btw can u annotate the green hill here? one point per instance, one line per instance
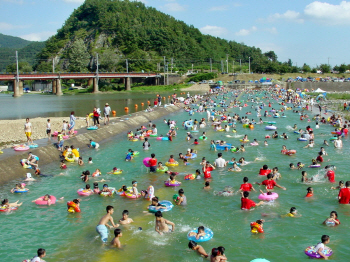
(12, 41)
(120, 30)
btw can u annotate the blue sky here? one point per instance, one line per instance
(304, 31)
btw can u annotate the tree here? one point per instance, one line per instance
(342, 68)
(325, 68)
(108, 60)
(78, 57)
(22, 67)
(271, 56)
(306, 68)
(290, 63)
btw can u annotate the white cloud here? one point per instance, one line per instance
(213, 30)
(6, 26)
(271, 30)
(219, 8)
(74, 1)
(174, 7)
(245, 32)
(42, 36)
(329, 14)
(290, 15)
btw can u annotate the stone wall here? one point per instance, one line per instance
(326, 86)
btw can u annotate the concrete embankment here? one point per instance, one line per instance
(10, 168)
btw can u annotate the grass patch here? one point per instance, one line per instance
(341, 96)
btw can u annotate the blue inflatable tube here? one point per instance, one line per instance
(20, 191)
(169, 206)
(92, 128)
(193, 156)
(208, 235)
(188, 124)
(165, 138)
(228, 146)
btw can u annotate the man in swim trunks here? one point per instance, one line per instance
(28, 131)
(101, 228)
(162, 224)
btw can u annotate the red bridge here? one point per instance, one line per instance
(56, 79)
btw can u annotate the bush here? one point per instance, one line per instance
(204, 76)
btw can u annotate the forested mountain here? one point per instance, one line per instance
(119, 30)
(27, 52)
(12, 41)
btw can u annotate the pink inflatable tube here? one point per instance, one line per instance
(267, 197)
(45, 203)
(167, 183)
(145, 161)
(81, 192)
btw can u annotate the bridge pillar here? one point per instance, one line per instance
(90, 82)
(15, 89)
(95, 86)
(58, 87)
(54, 90)
(20, 87)
(127, 83)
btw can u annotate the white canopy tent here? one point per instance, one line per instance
(319, 90)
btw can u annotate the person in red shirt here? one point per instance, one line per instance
(246, 186)
(319, 157)
(207, 169)
(247, 203)
(310, 192)
(155, 102)
(330, 175)
(270, 183)
(153, 163)
(96, 117)
(344, 194)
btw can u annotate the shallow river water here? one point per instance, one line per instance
(72, 237)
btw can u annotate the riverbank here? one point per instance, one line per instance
(10, 169)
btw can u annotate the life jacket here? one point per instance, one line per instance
(256, 228)
(72, 207)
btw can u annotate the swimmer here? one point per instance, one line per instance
(321, 246)
(162, 224)
(300, 165)
(85, 176)
(96, 173)
(125, 218)
(247, 203)
(235, 168)
(44, 198)
(63, 165)
(156, 204)
(200, 250)
(135, 192)
(292, 213)
(117, 234)
(115, 169)
(160, 166)
(215, 254)
(304, 178)
(29, 177)
(206, 185)
(340, 185)
(265, 143)
(333, 218)
(101, 228)
(80, 161)
(200, 233)
(90, 160)
(246, 186)
(5, 204)
(310, 192)
(129, 155)
(325, 142)
(171, 159)
(182, 199)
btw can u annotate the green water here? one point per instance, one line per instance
(72, 237)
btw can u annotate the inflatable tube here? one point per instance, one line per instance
(7, 210)
(165, 138)
(135, 153)
(195, 131)
(108, 193)
(163, 170)
(221, 130)
(45, 203)
(256, 228)
(132, 196)
(188, 124)
(159, 138)
(218, 147)
(267, 136)
(169, 206)
(70, 159)
(153, 135)
(20, 191)
(296, 132)
(260, 260)
(291, 152)
(315, 166)
(264, 172)
(169, 184)
(302, 139)
(276, 116)
(134, 140)
(145, 161)
(254, 144)
(270, 122)
(331, 139)
(191, 157)
(244, 141)
(190, 177)
(21, 148)
(201, 137)
(208, 235)
(120, 192)
(267, 197)
(84, 192)
(284, 116)
(172, 164)
(92, 128)
(270, 127)
(309, 251)
(33, 146)
(117, 172)
(23, 163)
(246, 125)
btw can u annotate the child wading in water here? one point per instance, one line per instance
(101, 228)
(162, 224)
(117, 234)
